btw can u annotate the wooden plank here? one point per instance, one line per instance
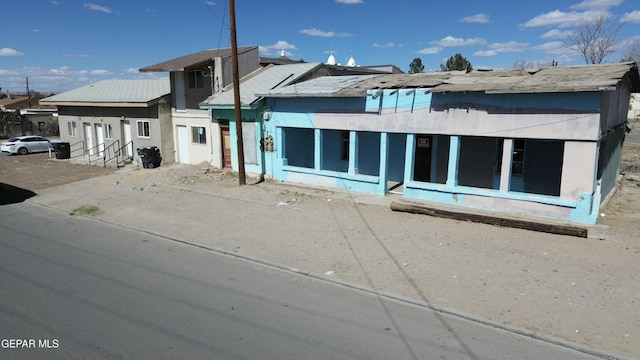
(560, 229)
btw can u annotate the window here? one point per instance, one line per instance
(196, 79)
(198, 135)
(517, 157)
(109, 131)
(71, 126)
(143, 129)
(344, 145)
(298, 149)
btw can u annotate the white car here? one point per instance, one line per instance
(26, 144)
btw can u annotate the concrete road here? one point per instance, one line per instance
(72, 287)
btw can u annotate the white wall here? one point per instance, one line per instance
(198, 153)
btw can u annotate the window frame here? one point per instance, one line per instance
(108, 129)
(198, 137)
(72, 128)
(195, 79)
(147, 128)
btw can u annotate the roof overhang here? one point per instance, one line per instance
(103, 104)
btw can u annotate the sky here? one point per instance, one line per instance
(61, 45)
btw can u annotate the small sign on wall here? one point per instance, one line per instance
(423, 142)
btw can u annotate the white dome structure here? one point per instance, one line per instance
(351, 62)
(331, 60)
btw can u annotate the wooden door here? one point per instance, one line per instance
(226, 146)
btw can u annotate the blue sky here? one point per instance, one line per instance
(64, 44)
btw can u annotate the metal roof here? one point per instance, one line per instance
(179, 64)
(322, 87)
(261, 81)
(579, 78)
(115, 92)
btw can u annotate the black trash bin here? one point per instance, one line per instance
(63, 150)
(150, 156)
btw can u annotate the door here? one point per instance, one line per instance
(226, 145)
(100, 138)
(126, 134)
(422, 164)
(183, 144)
(88, 138)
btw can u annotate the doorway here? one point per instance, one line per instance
(100, 138)
(88, 137)
(225, 136)
(183, 144)
(422, 163)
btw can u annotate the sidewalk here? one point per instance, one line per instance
(579, 290)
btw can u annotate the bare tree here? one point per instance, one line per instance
(595, 39)
(632, 52)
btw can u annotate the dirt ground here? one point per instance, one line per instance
(584, 291)
(36, 171)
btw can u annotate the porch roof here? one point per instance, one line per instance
(581, 78)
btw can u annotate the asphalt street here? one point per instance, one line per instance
(74, 287)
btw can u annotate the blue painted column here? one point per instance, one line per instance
(454, 160)
(434, 157)
(353, 153)
(317, 149)
(384, 163)
(409, 157)
(505, 171)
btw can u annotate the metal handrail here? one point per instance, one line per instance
(81, 149)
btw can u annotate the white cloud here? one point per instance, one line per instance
(450, 41)
(10, 52)
(321, 33)
(555, 34)
(477, 18)
(633, 16)
(511, 46)
(430, 50)
(596, 4)
(553, 48)
(349, 2)
(387, 45)
(55, 2)
(98, 8)
(276, 48)
(485, 53)
(561, 19)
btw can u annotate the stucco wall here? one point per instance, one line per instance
(114, 116)
(197, 153)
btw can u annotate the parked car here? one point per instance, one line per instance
(26, 144)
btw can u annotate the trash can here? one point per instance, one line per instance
(150, 156)
(63, 150)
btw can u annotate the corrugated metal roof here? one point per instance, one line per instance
(261, 81)
(322, 86)
(546, 80)
(179, 64)
(114, 91)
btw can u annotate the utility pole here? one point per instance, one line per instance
(236, 93)
(29, 93)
